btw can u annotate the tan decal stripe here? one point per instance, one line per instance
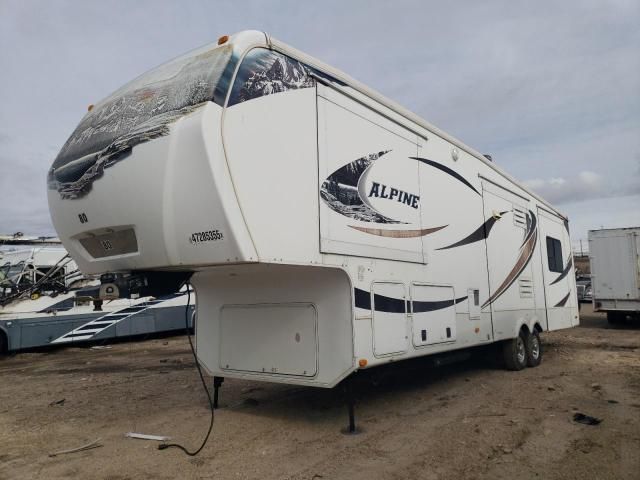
(523, 260)
(398, 233)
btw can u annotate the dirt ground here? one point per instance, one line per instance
(468, 420)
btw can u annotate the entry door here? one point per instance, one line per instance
(389, 313)
(510, 236)
(557, 268)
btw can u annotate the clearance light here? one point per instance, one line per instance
(90, 107)
(223, 39)
(477, 330)
(362, 362)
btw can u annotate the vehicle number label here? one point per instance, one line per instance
(207, 236)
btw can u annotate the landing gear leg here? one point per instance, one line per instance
(217, 383)
(349, 390)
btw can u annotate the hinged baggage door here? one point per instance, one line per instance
(389, 318)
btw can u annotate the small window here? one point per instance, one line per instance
(265, 72)
(554, 254)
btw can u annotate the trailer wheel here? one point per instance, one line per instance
(534, 349)
(514, 353)
(614, 318)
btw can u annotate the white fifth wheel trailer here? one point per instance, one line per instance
(614, 254)
(325, 228)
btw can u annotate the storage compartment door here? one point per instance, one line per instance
(389, 312)
(434, 314)
(269, 338)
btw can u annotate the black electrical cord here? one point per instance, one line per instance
(204, 385)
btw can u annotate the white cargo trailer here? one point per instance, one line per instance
(614, 254)
(325, 228)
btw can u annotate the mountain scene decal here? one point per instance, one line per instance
(340, 191)
(266, 73)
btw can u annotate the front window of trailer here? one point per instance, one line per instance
(138, 112)
(266, 72)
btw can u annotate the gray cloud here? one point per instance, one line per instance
(558, 190)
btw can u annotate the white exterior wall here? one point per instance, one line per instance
(271, 147)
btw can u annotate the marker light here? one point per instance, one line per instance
(223, 39)
(362, 362)
(90, 107)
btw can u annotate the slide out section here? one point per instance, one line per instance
(368, 181)
(558, 271)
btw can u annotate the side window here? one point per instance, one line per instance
(554, 254)
(265, 72)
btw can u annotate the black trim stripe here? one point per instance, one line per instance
(564, 272)
(446, 170)
(386, 304)
(563, 302)
(480, 233)
(362, 299)
(421, 307)
(398, 305)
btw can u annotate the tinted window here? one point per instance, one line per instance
(554, 254)
(138, 112)
(265, 72)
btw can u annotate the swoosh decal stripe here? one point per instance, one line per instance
(398, 233)
(526, 252)
(564, 272)
(446, 170)
(563, 302)
(480, 233)
(421, 307)
(532, 226)
(398, 305)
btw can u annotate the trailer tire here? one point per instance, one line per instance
(514, 353)
(534, 349)
(614, 318)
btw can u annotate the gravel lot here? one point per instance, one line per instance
(468, 420)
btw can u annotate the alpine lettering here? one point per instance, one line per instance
(382, 191)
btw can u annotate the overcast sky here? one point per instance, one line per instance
(550, 89)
